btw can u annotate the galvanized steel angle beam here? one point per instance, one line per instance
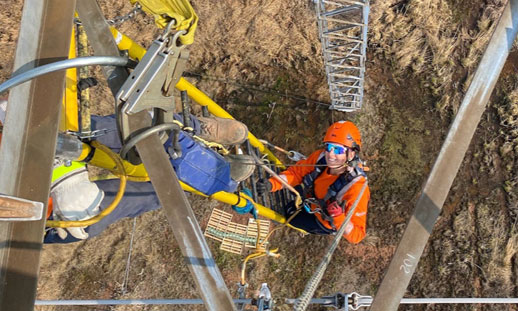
(209, 281)
(28, 144)
(102, 43)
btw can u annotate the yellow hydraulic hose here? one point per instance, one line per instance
(101, 158)
(104, 160)
(110, 208)
(260, 250)
(255, 256)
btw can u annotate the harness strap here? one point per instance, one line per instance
(309, 179)
(343, 183)
(335, 192)
(344, 189)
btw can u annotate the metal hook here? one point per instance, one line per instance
(173, 43)
(168, 29)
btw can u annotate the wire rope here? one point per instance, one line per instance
(303, 301)
(128, 261)
(255, 88)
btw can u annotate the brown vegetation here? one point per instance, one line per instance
(421, 57)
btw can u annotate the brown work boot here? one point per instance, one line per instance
(222, 131)
(242, 166)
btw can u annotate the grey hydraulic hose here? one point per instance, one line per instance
(63, 65)
(155, 129)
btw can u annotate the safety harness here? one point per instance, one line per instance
(335, 192)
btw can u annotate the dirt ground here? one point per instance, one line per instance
(262, 62)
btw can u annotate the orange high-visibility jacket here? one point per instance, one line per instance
(355, 231)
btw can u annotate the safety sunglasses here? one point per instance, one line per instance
(335, 148)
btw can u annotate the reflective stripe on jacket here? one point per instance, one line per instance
(357, 226)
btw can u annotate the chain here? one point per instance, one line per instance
(121, 19)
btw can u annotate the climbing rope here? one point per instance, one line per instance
(260, 250)
(223, 150)
(311, 286)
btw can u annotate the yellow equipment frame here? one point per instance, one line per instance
(101, 159)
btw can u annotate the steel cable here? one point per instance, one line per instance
(304, 300)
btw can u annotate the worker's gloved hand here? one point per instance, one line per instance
(263, 186)
(334, 209)
(249, 206)
(75, 197)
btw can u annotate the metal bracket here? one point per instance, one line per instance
(345, 302)
(339, 301)
(264, 301)
(152, 82)
(241, 290)
(357, 301)
(16, 209)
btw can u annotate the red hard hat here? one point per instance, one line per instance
(344, 133)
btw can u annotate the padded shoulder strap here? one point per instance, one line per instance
(343, 183)
(310, 178)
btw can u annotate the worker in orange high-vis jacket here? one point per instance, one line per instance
(329, 180)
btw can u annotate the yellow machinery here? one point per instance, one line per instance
(101, 159)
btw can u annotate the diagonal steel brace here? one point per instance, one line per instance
(184, 225)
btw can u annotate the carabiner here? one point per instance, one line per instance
(168, 29)
(308, 209)
(173, 43)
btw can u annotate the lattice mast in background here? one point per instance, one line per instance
(342, 26)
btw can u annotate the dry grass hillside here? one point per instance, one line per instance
(261, 60)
